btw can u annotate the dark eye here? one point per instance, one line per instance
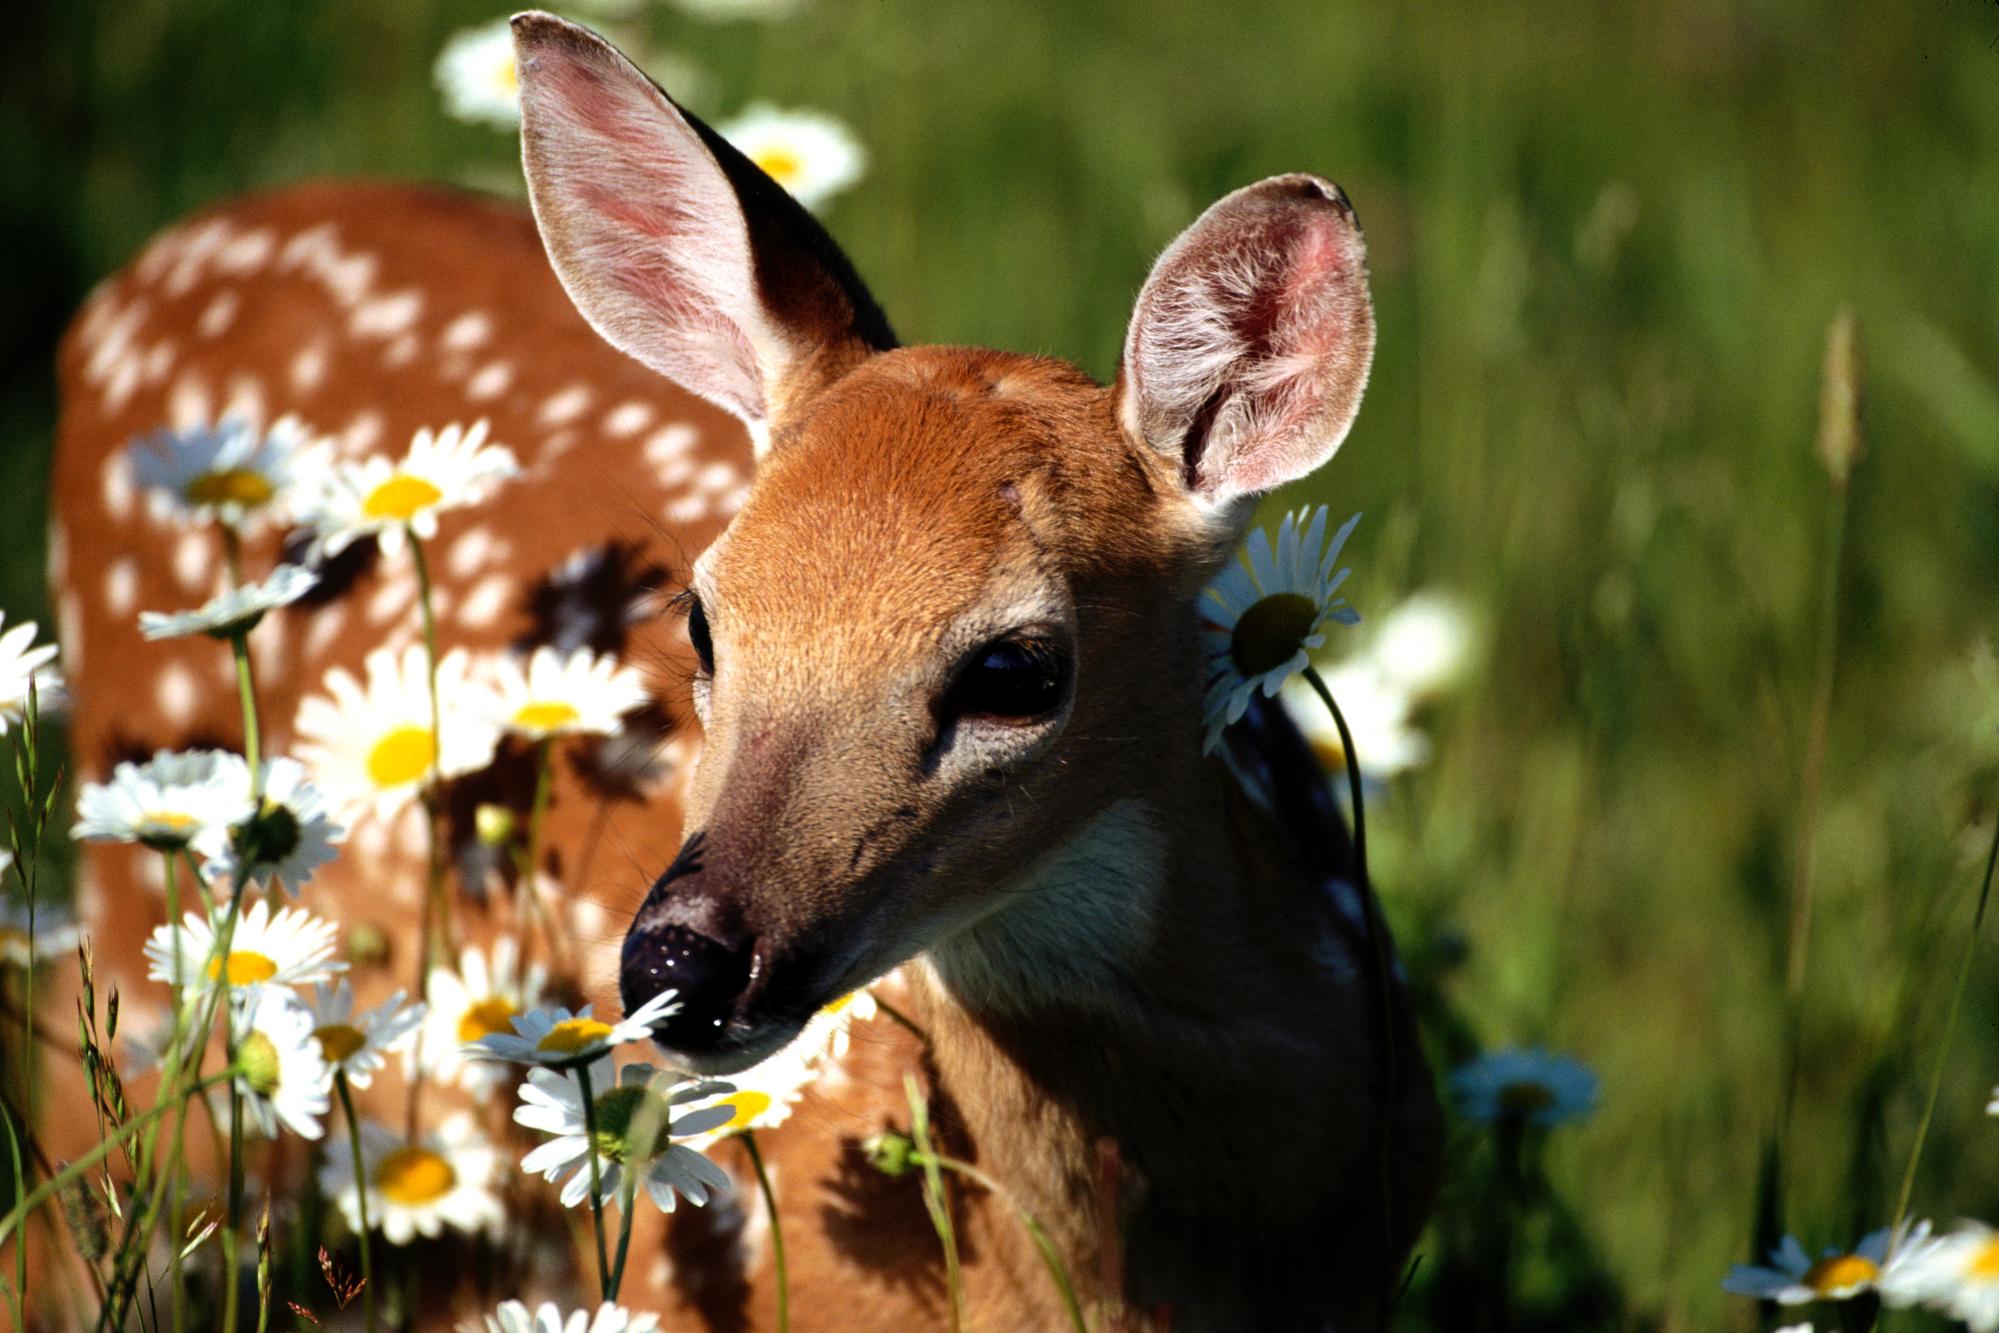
(1014, 680)
(697, 633)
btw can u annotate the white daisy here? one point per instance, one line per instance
(764, 1094)
(417, 1189)
(1957, 1275)
(559, 694)
(809, 153)
(234, 612)
(554, 1036)
(56, 931)
(476, 1001)
(22, 662)
(1261, 623)
(638, 1113)
(450, 469)
(229, 472)
(371, 747)
(1793, 1277)
(1386, 742)
(291, 836)
(288, 948)
(1423, 645)
(515, 1317)
(359, 1044)
(171, 801)
(281, 1071)
(1531, 1086)
(724, 11)
(475, 72)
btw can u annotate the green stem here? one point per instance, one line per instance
(1943, 1045)
(246, 692)
(232, 1288)
(360, 1195)
(935, 1200)
(628, 1196)
(232, 553)
(544, 785)
(175, 1303)
(105, 1147)
(1051, 1260)
(596, 1180)
(776, 1231)
(1382, 968)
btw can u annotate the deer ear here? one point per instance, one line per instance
(1250, 346)
(675, 247)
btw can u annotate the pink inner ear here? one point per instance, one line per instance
(642, 226)
(1251, 343)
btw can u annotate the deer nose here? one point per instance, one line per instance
(709, 972)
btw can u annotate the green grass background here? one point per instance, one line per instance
(1607, 241)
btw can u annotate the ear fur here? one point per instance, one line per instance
(1249, 348)
(678, 250)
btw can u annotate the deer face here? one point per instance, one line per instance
(953, 621)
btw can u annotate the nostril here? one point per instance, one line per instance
(709, 974)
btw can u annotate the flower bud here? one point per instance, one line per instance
(889, 1152)
(494, 824)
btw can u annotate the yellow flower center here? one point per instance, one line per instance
(402, 755)
(402, 497)
(172, 819)
(339, 1041)
(245, 968)
(1984, 1265)
(842, 1002)
(236, 485)
(1271, 631)
(547, 717)
(506, 76)
(780, 164)
(483, 1018)
(413, 1176)
(1839, 1273)
(1525, 1098)
(749, 1104)
(572, 1035)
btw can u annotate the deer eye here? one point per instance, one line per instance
(698, 634)
(1012, 680)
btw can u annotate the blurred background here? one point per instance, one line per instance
(1607, 248)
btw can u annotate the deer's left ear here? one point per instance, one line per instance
(1250, 346)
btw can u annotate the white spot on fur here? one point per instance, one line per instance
(188, 401)
(159, 361)
(491, 381)
(361, 434)
(220, 313)
(69, 623)
(121, 586)
(308, 368)
(687, 509)
(733, 502)
(326, 625)
(566, 405)
(402, 351)
(116, 479)
(386, 316)
(390, 600)
(669, 443)
(250, 251)
(174, 692)
(553, 448)
(194, 557)
(676, 471)
(58, 565)
(246, 399)
(485, 602)
(716, 478)
(469, 552)
(468, 331)
(123, 383)
(627, 419)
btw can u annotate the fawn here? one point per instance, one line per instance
(944, 674)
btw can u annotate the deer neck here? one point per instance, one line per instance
(1151, 1023)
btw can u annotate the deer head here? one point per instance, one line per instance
(953, 624)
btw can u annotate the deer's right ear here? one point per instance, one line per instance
(680, 251)
(1250, 346)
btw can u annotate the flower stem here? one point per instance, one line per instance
(434, 804)
(1382, 972)
(174, 1292)
(935, 1199)
(232, 1287)
(1943, 1045)
(628, 1195)
(246, 691)
(596, 1180)
(360, 1194)
(232, 553)
(1051, 1260)
(530, 863)
(776, 1230)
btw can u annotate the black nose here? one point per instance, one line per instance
(686, 940)
(710, 975)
